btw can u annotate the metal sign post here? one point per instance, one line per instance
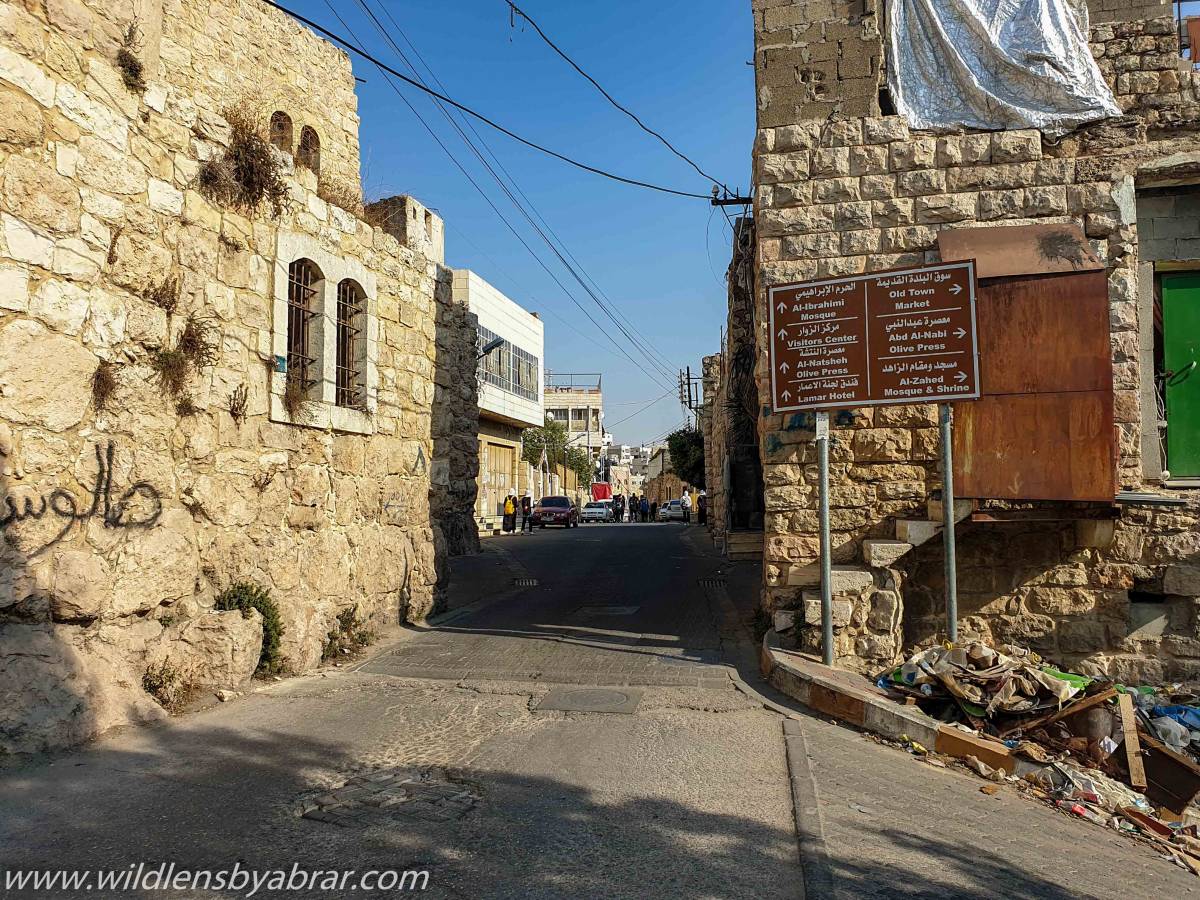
(826, 553)
(946, 419)
(903, 336)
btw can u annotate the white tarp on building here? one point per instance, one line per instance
(994, 64)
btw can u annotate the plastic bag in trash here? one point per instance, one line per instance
(1172, 733)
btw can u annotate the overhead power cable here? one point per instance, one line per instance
(609, 97)
(639, 344)
(639, 412)
(353, 48)
(487, 199)
(628, 329)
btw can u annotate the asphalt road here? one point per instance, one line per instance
(683, 793)
(449, 750)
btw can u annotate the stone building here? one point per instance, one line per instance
(843, 187)
(198, 388)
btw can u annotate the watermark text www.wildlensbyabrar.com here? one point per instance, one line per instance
(238, 880)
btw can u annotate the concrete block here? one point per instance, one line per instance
(880, 553)
(1097, 533)
(917, 531)
(962, 509)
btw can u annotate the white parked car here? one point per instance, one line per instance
(672, 510)
(597, 511)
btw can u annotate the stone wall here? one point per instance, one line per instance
(852, 193)
(713, 421)
(123, 520)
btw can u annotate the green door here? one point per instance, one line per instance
(1181, 358)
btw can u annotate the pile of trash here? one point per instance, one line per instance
(1123, 757)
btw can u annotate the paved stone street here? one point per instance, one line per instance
(455, 749)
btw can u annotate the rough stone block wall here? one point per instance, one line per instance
(849, 194)
(714, 424)
(814, 59)
(122, 520)
(1127, 10)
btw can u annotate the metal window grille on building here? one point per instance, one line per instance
(509, 367)
(351, 316)
(303, 277)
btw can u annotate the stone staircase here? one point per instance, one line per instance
(866, 597)
(744, 545)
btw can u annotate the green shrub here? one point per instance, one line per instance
(168, 686)
(247, 596)
(349, 635)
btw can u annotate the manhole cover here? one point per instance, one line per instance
(375, 798)
(712, 582)
(525, 582)
(603, 700)
(607, 610)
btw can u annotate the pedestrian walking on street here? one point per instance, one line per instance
(685, 503)
(653, 510)
(527, 512)
(618, 507)
(510, 514)
(702, 508)
(635, 507)
(645, 510)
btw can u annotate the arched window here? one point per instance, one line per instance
(304, 310)
(309, 152)
(351, 344)
(281, 131)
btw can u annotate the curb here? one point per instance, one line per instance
(815, 869)
(829, 691)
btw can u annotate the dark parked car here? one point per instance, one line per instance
(556, 511)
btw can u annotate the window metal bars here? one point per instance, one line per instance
(302, 278)
(508, 367)
(349, 370)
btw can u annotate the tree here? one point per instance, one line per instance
(686, 447)
(580, 462)
(551, 437)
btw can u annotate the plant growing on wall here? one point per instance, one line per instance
(245, 596)
(104, 384)
(349, 635)
(132, 71)
(249, 174)
(295, 399)
(341, 194)
(238, 401)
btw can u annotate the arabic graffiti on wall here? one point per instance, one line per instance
(138, 506)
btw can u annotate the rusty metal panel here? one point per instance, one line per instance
(1044, 333)
(1045, 446)
(1043, 429)
(1004, 250)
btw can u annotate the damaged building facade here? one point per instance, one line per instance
(1087, 310)
(204, 381)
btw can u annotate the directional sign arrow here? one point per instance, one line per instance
(960, 377)
(956, 289)
(960, 332)
(782, 307)
(786, 395)
(783, 334)
(783, 366)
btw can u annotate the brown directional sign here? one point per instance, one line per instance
(901, 336)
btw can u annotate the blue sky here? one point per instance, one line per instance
(681, 66)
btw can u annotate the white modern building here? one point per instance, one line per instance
(510, 392)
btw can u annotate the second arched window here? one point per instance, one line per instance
(351, 345)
